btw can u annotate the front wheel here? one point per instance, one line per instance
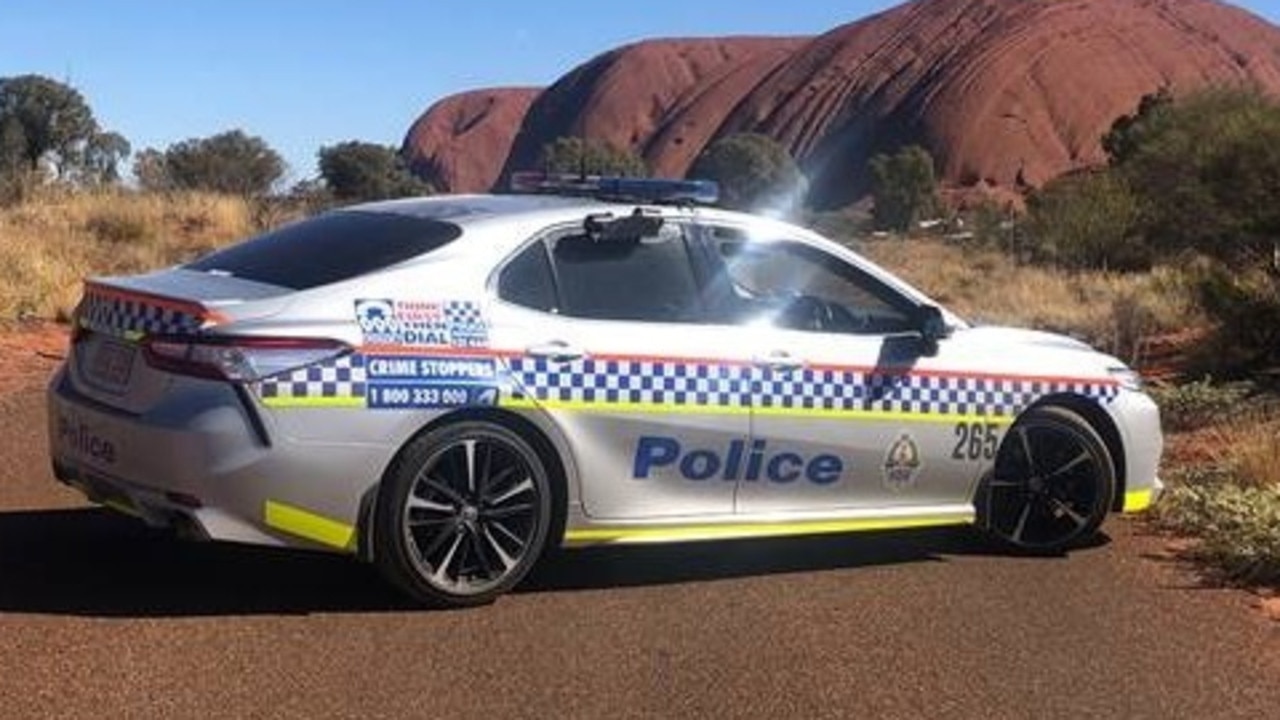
(463, 514)
(1052, 484)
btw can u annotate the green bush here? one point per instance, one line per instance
(1245, 306)
(589, 156)
(1086, 220)
(904, 188)
(1238, 527)
(356, 170)
(1206, 168)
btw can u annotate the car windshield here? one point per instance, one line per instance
(329, 248)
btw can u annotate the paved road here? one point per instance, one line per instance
(99, 617)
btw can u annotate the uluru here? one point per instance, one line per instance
(1003, 93)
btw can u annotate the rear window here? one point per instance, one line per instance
(329, 248)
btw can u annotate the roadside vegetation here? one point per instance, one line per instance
(1168, 256)
(1174, 244)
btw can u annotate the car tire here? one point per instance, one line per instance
(463, 514)
(1052, 484)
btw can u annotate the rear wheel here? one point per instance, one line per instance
(1052, 484)
(463, 515)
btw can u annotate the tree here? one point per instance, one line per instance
(230, 162)
(150, 171)
(1207, 171)
(13, 147)
(904, 188)
(357, 170)
(753, 172)
(54, 121)
(102, 157)
(590, 157)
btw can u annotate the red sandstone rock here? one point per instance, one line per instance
(460, 143)
(1004, 93)
(663, 99)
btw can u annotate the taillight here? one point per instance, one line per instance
(237, 359)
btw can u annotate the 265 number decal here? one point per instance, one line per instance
(976, 441)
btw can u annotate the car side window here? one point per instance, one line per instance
(648, 279)
(795, 286)
(580, 275)
(527, 280)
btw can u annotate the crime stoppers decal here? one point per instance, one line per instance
(430, 382)
(402, 362)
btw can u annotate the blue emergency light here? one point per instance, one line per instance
(655, 190)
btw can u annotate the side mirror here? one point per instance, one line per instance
(932, 327)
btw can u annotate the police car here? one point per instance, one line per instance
(448, 386)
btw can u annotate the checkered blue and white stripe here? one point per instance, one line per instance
(699, 384)
(635, 382)
(131, 317)
(465, 313)
(342, 377)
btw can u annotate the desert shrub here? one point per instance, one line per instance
(1196, 404)
(754, 173)
(1086, 220)
(1227, 492)
(1238, 527)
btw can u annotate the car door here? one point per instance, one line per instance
(610, 341)
(842, 410)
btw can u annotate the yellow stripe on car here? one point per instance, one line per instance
(313, 402)
(727, 531)
(309, 525)
(1138, 500)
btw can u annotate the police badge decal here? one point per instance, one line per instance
(902, 463)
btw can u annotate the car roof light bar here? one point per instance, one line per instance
(650, 190)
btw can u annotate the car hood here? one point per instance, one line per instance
(1005, 336)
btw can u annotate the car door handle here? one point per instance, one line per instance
(780, 361)
(556, 351)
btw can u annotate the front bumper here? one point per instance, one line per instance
(1137, 420)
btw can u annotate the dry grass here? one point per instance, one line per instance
(1110, 310)
(51, 242)
(1247, 446)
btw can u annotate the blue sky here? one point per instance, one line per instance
(305, 73)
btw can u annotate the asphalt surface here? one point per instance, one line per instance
(100, 617)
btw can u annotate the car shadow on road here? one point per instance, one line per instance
(634, 565)
(96, 563)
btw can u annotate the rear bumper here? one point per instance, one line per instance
(201, 463)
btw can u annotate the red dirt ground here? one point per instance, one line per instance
(29, 353)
